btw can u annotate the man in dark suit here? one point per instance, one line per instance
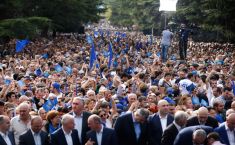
(202, 118)
(169, 135)
(131, 128)
(227, 130)
(158, 122)
(66, 135)
(6, 137)
(80, 119)
(34, 136)
(186, 137)
(99, 135)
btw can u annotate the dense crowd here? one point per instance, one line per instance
(51, 94)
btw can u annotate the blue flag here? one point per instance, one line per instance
(96, 34)
(45, 56)
(195, 100)
(110, 54)
(204, 103)
(7, 81)
(89, 39)
(92, 56)
(21, 83)
(68, 70)
(20, 45)
(58, 68)
(38, 72)
(49, 104)
(190, 88)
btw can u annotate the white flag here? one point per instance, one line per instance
(168, 5)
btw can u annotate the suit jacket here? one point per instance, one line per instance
(108, 137)
(11, 137)
(185, 136)
(223, 134)
(155, 128)
(169, 135)
(27, 138)
(124, 127)
(58, 137)
(85, 127)
(212, 122)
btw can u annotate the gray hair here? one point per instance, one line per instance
(180, 115)
(80, 99)
(142, 112)
(95, 118)
(66, 118)
(200, 132)
(217, 101)
(229, 111)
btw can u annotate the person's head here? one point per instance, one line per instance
(36, 124)
(163, 107)
(2, 107)
(151, 98)
(213, 82)
(53, 117)
(42, 113)
(186, 101)
(233, 105)
(141, 115)
(91, 94)
(40, 92)
(131, 98)
(107, 95)
(212, 112)
(217, 91)
(4, 123)
(180, 118)
(199, 136)
(10, 96)
(102, 114)
(229, 111)
(67, 122)
(227, 92)
(202, 115)
(23, 98)
(24, 110)
(78, 105)
(218, 105)
(230, 120)
(94, 122)
(212, 137)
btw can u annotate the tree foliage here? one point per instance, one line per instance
(213, 18)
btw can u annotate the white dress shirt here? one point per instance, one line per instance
(37, 138)
(163, 122)
(78, 125)
(99, 136)
(68, 137)
(6, 138)
(231, 135)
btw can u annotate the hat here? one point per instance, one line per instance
(169, 100)
(56, 86)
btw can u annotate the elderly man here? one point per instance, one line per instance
(6, 137)
(80, 118)
(202, 118)
(35, 136)
(21, 123)
(98, 134)
(169, 135)
(129, 135)
(66, 135)
(158, 122)
(227, 130)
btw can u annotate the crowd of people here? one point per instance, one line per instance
(132, 93)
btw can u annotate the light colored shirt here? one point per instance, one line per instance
(6, 138)
(231, 135)
(163, 122)
(68, 137)
(217, 143)
(99, 136)
(166, 37)
(18, 127)
(78, 125)
(136, 127)
(37, 138)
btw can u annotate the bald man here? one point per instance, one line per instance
(158, 122)
(227, 130)
(35, 135)
(202, 118)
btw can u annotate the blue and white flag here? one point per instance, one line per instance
(110, 54)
